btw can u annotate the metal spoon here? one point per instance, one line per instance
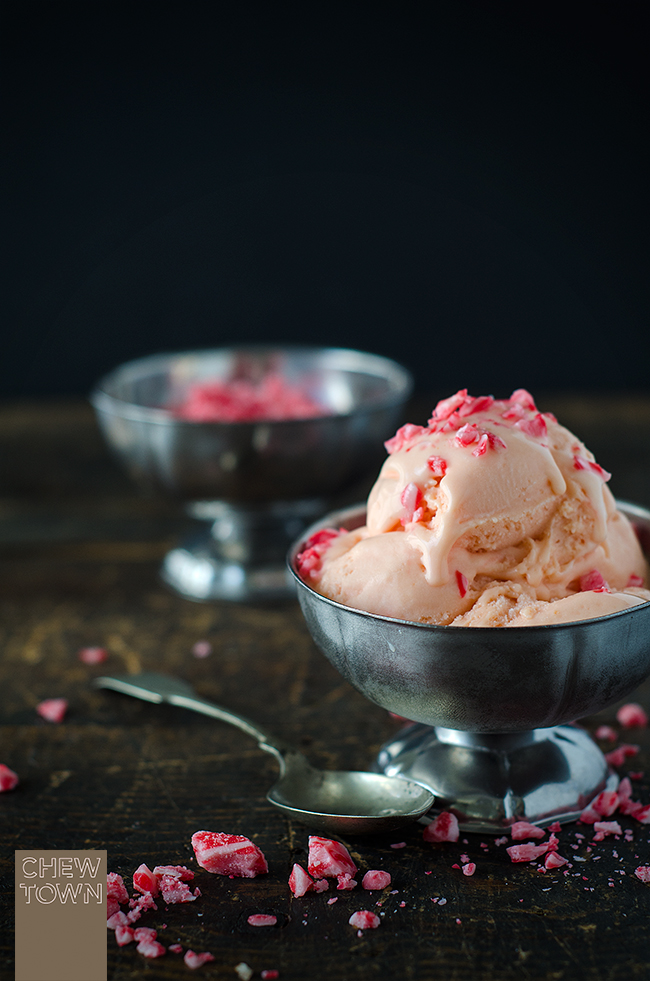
(341, 801)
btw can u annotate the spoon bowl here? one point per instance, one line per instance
(337, 801)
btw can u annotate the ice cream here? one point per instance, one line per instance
(493, 514)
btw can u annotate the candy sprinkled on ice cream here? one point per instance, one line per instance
(239, 400)
(493, 514)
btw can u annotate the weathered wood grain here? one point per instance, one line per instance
(79, 553)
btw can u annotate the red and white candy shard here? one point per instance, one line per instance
(226, 854)
(524, 829)
(174, 890)
(469, 868)
(240, 400)
(632, 716)
(145, 881)
(527, 852)
(8, 779)
(364, 919)
(376, 879)
(299, 881)
(115, 888)
(643, 873)
(328, 858)
(593, 581)
(93, 655)
(444, 827)
(262, 920)
(197, 960)
(53, 709)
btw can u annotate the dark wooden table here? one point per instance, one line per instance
(79, 555)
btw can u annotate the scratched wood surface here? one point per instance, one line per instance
(79, 554)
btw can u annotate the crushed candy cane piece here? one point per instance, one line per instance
(93, 655)
(535, 427)
(176, 948)
(261, 920)
(581, 463)
(123, 935)
(150, 948)
(145, 933)
(605, 803)
(437, 465)
(632, 716)
(53, 709)
(243, 971)
(174, 890)
(299, 881)
(225, 854)
(198, 960)
(175, 871)
(469, 868)
(524, 829)
(112, 906)
(202, 649)
(270, 974)
(593, 582)
(606, 732)
(461, 582)
(403, 436)
(346, 882)
(273, 397)
(328, 858)
(376, 879)
(115, 888)
(527, 852)
(364, 919)
(635, 580)
(643, 873)
(145, 881)
(604, 828)
(117, 919)
(444, 827)
(8, 779)
(554, 861)
(618, 756)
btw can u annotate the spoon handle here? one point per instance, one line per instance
(158, 688)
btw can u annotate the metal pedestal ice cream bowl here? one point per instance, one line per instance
(493, 708)
(255, 484)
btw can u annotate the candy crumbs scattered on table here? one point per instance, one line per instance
(334, 899)
(53, 709)
(225, 854)
(8, 779)
(243, 971)
(176, 948)
(299, 881)
(115, 888)
(202, 648)
(364, 919)
(346, 882)
(151, 948)
(398, 844)
(328, 858)
(261, 920)
(123, 935)
(618, 756)
(269, 975)
(469, 868)
(523, 829)
(606, 732)
(93, 655)
(604, 828)
(632, 716)
(444, 827)
(643, 873)
(376, 879)
(554, 861)
(145, 881)
(527, 852)
(197, 960)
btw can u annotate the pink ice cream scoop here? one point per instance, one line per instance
(493, 514)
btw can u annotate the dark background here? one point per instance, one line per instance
(461, 186)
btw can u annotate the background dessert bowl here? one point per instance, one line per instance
(258, 482)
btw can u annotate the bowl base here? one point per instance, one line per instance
(491, 780)
(240, 555)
